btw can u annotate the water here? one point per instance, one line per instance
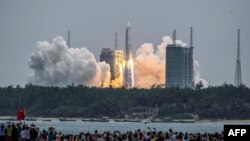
(75, 127)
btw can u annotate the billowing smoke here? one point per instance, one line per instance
(197, 76)
(149, 67)
(56, 64)
(149, 64)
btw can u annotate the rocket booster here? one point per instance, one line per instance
(128, 54)
(128, 69)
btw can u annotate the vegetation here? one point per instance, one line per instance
(219, 102)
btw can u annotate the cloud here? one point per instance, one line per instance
(197, 76)
(149, 64)
(56, 64)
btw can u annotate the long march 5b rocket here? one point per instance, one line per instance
(129, 66)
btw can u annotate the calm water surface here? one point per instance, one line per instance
(75, 127)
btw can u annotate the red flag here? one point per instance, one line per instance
(21, 114)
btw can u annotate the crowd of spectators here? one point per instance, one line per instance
(23, 132)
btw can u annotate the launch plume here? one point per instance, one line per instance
(149, 64)
(197, 77)
(56, 64)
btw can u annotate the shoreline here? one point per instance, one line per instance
(11, 118)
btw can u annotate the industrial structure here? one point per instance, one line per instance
(238, 80)
(143, 111)
(179, 64)
(121, 65)
(107, 56)
(115, 59)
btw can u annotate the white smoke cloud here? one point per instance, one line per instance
(181, 43)
(149, 64)
(197, 76)
(57, 65)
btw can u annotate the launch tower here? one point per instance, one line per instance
(238, 80)
(179, 64)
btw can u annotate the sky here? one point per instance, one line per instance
(93, 25)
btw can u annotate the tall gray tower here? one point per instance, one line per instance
(238, 80)
(179, 65)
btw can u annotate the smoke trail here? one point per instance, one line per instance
(197, 77)
(149, 64)
(57, 65)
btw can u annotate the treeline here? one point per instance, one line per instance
(219, 102)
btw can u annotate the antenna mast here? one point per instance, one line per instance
(174, 37)
(238, 80)
(191, 36)
(116, 40)
(68, 38)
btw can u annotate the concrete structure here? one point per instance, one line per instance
(143, 111)
(115, 59)
(179, 65)
(117, 68)
(107, 56)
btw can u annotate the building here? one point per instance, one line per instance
(143, 111)
(179, 65)
(121, 63)
(117, 68)
(107, 56)
(116, 61)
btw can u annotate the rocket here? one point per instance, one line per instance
(128, 54)
(128, 69)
